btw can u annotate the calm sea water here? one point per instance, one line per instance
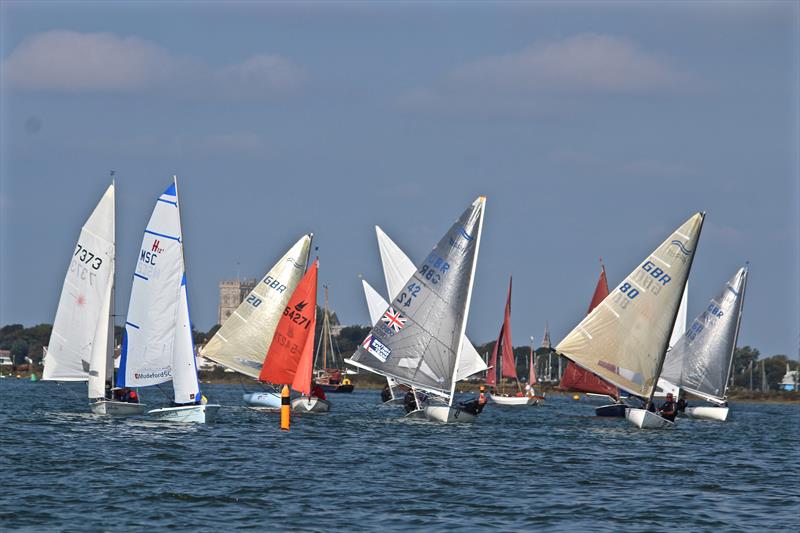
(362, 467)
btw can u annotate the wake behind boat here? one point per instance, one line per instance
(157, 346)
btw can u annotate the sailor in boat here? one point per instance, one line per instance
(528, 390)
(128, 395)
(476, 405)
(316, 391)
(682, 403)
(386, 393)
(668, 409)
(335, 378)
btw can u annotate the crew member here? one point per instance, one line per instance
(668, 409)
(316, 391)
(386, 393)
(410, 402)
(682, 403)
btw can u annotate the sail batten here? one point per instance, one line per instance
(628, 350)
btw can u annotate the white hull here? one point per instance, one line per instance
(417, 413)
(304, 404)
(513, 400)
(114, 408)
(644, 419)
(269, 400)
(707, 413)
(200, 414)
(448, 414)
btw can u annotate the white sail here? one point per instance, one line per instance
(665, 386)
(375, 302)
(701, 360)
(78, 346)
(242, 342)
(397, 268)
(151, 325)
(418, 338)
(625, 338)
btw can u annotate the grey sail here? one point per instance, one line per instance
(700, 361)
(418, 338)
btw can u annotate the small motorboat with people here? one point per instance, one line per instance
(700, 362)
(158, 345)
(81, 346)
(290, 358)
(407, 344)
(625, 338)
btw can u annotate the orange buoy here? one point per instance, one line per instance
(286, 409)
(576, 397)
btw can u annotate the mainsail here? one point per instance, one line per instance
(504, 347)
(397, 268)
(290, 357)
(242, 341)
(624, 339)
(157, 346)
(576, 378)
(81, 341)
(418, 338)
(700, 361)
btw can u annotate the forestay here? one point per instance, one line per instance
(243, 340)
(80, 346)
(624, 339)
(418, 338)
(397, 268)
(700, 361)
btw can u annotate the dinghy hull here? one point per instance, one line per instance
(513, 400)
(448, 414)
(708, 413)
(304, 404)
(616, 410)
(267, 400)
(114, 408)
(200, 414)
(644, 419)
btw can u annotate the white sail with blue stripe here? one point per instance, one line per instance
(157, 346)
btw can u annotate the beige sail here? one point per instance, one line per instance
(242, 342)
(624, 339)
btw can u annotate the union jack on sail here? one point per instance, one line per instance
(394, 319)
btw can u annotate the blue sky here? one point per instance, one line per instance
(593, 128)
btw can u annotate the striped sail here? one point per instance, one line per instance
(157, 346)
(80, 346)
(418, 338)
(397, 268)
(624, 339)
(700, 361)
(243, 340)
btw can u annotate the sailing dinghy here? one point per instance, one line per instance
(158, 346)
(506, 367)
(624, 339)
(81, 346)
(700, 362)
(244, 338)
(397, 268)
(290, 359)
(419, 337)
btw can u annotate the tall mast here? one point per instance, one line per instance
(325, 329)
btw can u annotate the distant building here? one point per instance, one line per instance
(5, 359)
(231, 294)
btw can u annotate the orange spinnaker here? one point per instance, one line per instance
(293, 342)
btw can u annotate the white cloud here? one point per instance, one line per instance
(549, 75)
(70, 61)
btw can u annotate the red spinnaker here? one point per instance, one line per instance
(286, 361)
(578, 379)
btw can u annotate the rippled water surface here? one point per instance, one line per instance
(362, 467)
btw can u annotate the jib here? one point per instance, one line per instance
(656, 272)
(148, 257)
